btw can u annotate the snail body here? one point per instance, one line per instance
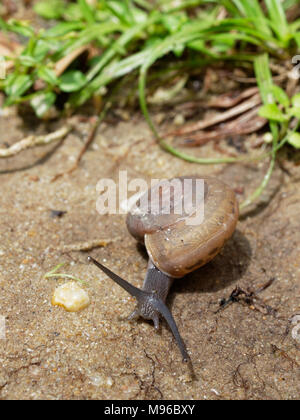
(175, 244)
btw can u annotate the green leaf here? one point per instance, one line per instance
(252, 9)
(297, 37)
(90, 33)
(120, 10)
(145, 4)
(20, 27)
(199, 45)
(265, 84)
(73, 13)
(294, 140)
(109, 54)
(272, 112)
(17, 85)
(294, 111)
(41, 49)
(72, 80)
(49, 9)
(86, 11)
(280, 96)
(173, 23)
(27, 60)
(178, 49)
(139, 15)
(42, 103)
(296, 100)
(278, 17)
(264, 78)
(48, 75)
(62, 29)
(223, 42)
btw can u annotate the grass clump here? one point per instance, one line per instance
(92, 44)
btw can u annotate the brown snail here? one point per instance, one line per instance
(175, 244)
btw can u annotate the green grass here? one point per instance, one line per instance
(53, 274)
(140, 37)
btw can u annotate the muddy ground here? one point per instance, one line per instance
(246, 351)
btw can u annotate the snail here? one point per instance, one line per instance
(175, 244)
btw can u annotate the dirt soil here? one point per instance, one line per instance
(248, 350)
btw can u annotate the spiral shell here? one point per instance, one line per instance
(175, 245)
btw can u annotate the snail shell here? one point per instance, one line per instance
(175, 246)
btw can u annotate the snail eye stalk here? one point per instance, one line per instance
(132, 290)
(146, 299)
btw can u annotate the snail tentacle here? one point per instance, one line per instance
(132, 290)
(162, 308)
(149, 306)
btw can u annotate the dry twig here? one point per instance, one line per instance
(250, 298)
(33, 141)
(63, 63)
(216, 119)
(87, 245)
(247, 123)
(86, 145)
(230, 99)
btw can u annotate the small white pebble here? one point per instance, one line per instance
(71, 297)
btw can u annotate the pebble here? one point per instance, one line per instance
(71, 297)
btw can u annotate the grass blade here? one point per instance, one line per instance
(278, 17)
(252, 9)
(86, 11)
(265, 84)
